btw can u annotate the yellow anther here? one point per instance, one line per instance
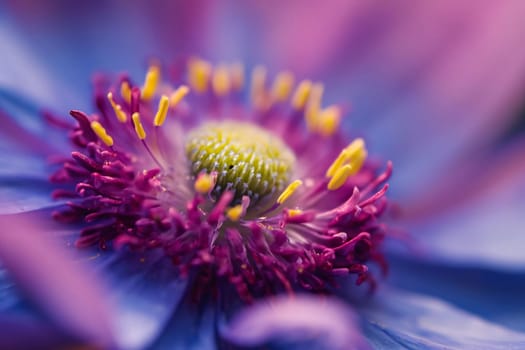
(237, 76)
(358, 160)
(294, 212)
(101, 133)
(199, 74)
(121, 115)
(340, 177)
(151, 82)
(313, 107)
(125, 91)
(301, 94)
(258, 92)
(282, 86)
(204, 183)
(162, 112)
(355, 154)
(289, 191)
(234, 213)
(221, 81)
(139, 129)
(328, 120)
(178, 95)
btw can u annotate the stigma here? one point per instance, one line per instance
(248, 180)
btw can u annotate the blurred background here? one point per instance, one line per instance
(430, 83)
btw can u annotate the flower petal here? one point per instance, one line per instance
(41, 270)
(400, 320)
(492, 294)
(487, 228)
(146, 291)
(314, 322)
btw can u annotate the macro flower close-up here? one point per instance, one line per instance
(262, 175)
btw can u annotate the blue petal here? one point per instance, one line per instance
(492, 294)
(395, 319)
(192, 327)
(146, 291)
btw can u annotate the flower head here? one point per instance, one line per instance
(263, 196)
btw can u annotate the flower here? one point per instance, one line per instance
(465, 291)
(229, 192)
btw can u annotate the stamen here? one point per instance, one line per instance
(258, 93)
(125, 91)
(328, 121)
(282, 86)
(237, 76)
(204, 183)
(301, 94)
(199, 74)
(162, 112)
(150, 82)
(221, 81)
(101, 133)
(349, 153)
(139, 129)
(313, 107)
(119, 113)
(178, 95)
(289, 191)
(234, 213)
(340, 177)
(294, 212)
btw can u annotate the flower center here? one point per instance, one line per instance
(247, 159)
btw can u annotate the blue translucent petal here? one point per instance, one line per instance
(395, 319)
(145, 290)
(492, 294)
(192, 327)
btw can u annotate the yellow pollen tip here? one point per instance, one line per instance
(289, 191)
(221, 81)
(258, 91)
(199, 74)
(125, 91)
(150, 82)
(301, 94)
(234, 213)
(204, 183)
(139, 129)
(178, 95)
(101, 133)
(355, 153)
(294, 212)
(162, 112)
(282, 86)
(313, 107)
(340, 177)
(119, 113)
(237, 76)
(329, 120)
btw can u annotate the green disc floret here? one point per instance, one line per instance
(248, 159)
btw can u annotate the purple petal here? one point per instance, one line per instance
(485, 228)
(65, 292)
(317, 322)
(19, 333)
